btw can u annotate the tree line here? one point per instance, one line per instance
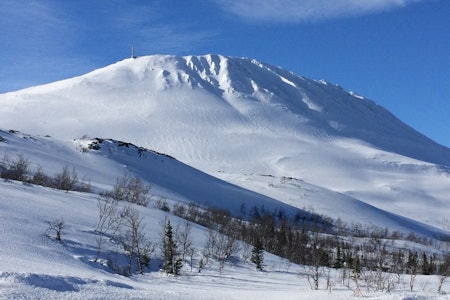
(321, 243)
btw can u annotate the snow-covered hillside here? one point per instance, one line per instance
(100, 162)
(36, 266)
(237, 118)
(33, 266)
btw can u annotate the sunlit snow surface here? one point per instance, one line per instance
(33, 266)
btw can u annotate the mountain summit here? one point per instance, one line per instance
(224, 96)
(236, 117)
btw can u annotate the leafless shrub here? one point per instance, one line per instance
(124, 227)
(444, 271)
(17, 169)
(130, 189)
(67, 179)
(161, 204)
(108, 216)
(40, 178)
(221, 247)
(246, 252)
(179, 210)
(191, 253)
(183, 237)
(56, 226)
(135, 243)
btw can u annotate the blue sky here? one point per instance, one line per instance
(395, 52)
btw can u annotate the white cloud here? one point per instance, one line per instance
(297, 11)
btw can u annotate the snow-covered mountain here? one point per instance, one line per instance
(238, 119)
(224, 94)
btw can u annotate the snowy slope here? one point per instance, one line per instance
(111, 159)
(175, 181)
(230, 116)
(33, 266)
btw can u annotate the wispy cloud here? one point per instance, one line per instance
(298, 11)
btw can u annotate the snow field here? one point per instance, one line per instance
(33, 266)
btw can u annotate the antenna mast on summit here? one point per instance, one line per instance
(132, 52)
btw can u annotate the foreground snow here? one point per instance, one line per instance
(34, 266)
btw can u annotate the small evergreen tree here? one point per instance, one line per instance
(172, 265)
(177, 266)
(425, 264)
(339, 261)
(258, 254)
(432, 265)
(412, 263)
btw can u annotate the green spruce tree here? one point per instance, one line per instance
(339, 261)
(171, 264)
(425, 264)
(258, 254)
